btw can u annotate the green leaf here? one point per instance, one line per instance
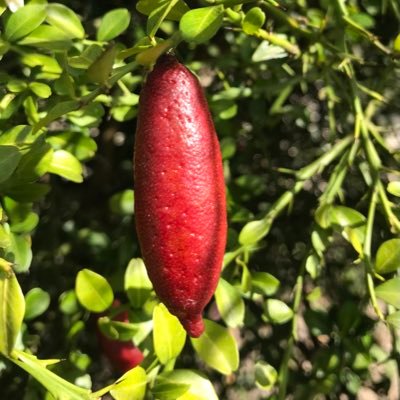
(277, 312)
(394, 188)
(137, 283)
(47, 37)
(66, 165)
(146, 7)
(22, 218)
(254, 231)
(131, 385)
(253, 20)
(158, 15)
(101, 69)
(9, 159)
(40, 89)
(77, 143)
(20, 247)
(123, 202)
(168, 335)
(183, 384)
(389, 292)
(12, 305)
(93, 291)
(113, 24)
(266, 375)
(396, 44)
(388, 257)
(117, 330)
(64, 18)
(394, 319)
(24, 21)
(29, 192)
(264, 283)
(57, 386)
(37, 301)
(230, 303)
(201, 24)
(19, 134)
(217, 348)
(59, 110)
(88, 116)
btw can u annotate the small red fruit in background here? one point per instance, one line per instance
(123, 355)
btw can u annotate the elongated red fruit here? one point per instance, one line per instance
(180, 205)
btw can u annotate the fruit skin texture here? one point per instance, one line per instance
(123, 355)
(180, 206)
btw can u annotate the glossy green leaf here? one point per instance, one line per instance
(230, 303)
(388, 257)
(254, 231)
(37, 301)
(12, 308)
(266, 375)
(389, 292)
(137, 283)
(66, 165)
(183, 384)
(93, 291)
(201, 24)
(277, 312)
(113, 24)
(9, 159)
(64, 18)
(24, 21)
(131, 385)
(253, 20)
(168, 335)
(146, 7)
(217, 348)
(264, 283)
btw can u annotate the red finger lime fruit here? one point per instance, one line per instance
(123, 355)
(180, 205)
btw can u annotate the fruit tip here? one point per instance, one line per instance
(194, 326)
